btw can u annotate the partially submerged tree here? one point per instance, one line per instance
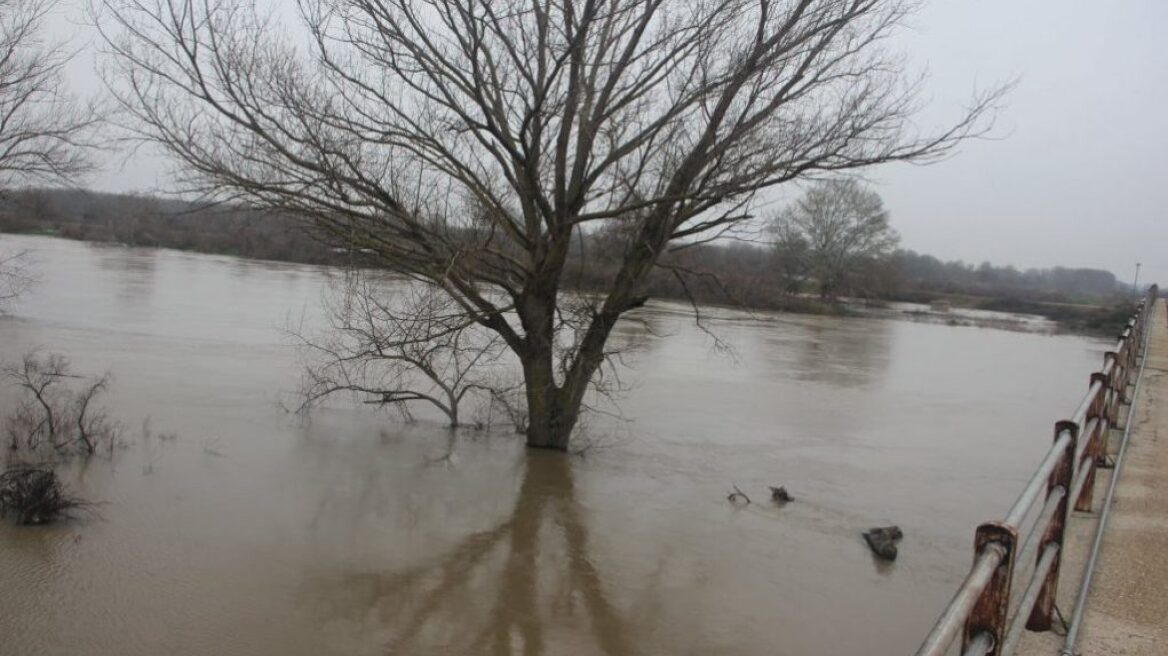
(390, 118)
(51, 417)
(395, 344)
(842, 227)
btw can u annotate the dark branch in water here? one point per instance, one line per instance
(737, 495)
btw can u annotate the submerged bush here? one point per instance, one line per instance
(58, 412)
(34, 495)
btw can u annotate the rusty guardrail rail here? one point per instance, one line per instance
(981, 611)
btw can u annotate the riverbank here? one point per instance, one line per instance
(1102, 319)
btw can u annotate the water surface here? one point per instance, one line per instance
(255, 532)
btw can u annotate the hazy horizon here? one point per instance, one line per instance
(1068, 177)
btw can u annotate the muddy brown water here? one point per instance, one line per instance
(248, 531)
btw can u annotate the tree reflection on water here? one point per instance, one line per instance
(527, 585)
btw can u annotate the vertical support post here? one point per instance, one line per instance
(1131, 350)
(1063, 476)
(1098, 404)
(1091, 446)
(1123, 362)
(1113, 398)
(1087, 494)
(991, 611)
(1100, 411)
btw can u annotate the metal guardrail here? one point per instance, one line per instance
(981, 611)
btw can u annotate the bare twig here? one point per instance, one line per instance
(737, 495)
(394, 343)
(16, 276)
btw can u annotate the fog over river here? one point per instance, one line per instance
(249, 530)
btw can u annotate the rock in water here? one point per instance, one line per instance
(780, 495)
(882, 541)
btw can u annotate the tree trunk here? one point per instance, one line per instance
(548, 425)
(536, 313)
(553, 410)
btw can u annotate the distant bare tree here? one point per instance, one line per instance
(546, 118)
(843, 227)
(397, 343)
(792, 259)
(43, 130)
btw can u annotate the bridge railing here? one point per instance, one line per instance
(1022, 552)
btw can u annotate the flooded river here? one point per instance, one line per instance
(230, 527)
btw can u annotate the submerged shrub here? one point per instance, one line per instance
(58, 412)
(34, 495)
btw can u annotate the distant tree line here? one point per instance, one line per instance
(785, 269)
(921, 273)
(162, 223)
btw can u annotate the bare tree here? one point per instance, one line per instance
(397, 343)
(546, 118)
(53, 418)
(39, 416)
(43, 130)
(843, 227)
(15, 276)
(791, 259)
(93, 426)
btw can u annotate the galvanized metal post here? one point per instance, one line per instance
(1062, 476)
(991, 611)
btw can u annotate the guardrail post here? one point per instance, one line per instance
(990, 613)
(1092, 444)
(1120, 375)
(1100, 411)
(1111, 359)
(1062, 476)
(1130, 353)
(1099, 403)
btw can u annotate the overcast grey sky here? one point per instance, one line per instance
(1077, 173)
